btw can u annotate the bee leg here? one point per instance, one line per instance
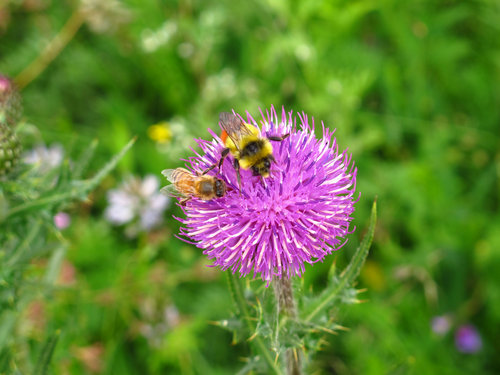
(237, 169)
(278, 139)
(184, 201)
(223, 155)
(208, 169)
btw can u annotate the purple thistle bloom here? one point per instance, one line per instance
(467, 339)
(299, 214)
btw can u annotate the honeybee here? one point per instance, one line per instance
(189, 185)
(245, 143)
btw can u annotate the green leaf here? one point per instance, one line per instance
(25, 246)
(54, 265)
(348, 276)
(231, 324)
(45, 356)
(78, 191)
(84, 159)
(238, 295)
(94, 181)
(253, 366)
(5, 358)
(7, 319)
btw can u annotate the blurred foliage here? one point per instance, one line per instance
(33, 250)
(412, 88)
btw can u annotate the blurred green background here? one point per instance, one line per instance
(413, 89)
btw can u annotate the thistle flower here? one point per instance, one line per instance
(298, 215)
(137, 203)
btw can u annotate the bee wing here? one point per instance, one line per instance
(182, 182)
(168, 174)
(173, 175)
(171, 191)
(234, 127)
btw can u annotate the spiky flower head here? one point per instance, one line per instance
(298, 215)
(10, 102)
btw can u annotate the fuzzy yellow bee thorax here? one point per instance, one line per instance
(243, 140)
(249, 148)
(264, 150)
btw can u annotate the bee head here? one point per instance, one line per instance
(220, 188)
(262, 167)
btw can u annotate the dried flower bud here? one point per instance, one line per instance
(10, 149)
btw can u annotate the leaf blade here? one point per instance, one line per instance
(46, 354)
(350, 273)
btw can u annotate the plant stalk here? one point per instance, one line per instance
(51, 51)
(239, 299)
(286, 306)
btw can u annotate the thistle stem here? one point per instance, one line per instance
(239, 299)
(286, 306)
(51, 51)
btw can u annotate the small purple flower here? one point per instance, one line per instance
(299, 214)
(441, 325)
(467, 339)
(62, 220)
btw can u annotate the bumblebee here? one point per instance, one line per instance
(245, 143)
(189, 185)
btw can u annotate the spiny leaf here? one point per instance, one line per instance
(230, 324)
(79, 190)
(54, 265)
(94, 181)
(84, 159)
(25, 245)
(354, 268)
(253, 366)
(241, 304)
(348, 275)
(64, 176)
